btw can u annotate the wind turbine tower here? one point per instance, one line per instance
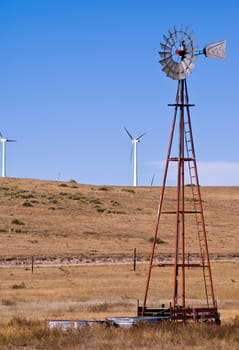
(134, 145)
(4, 141)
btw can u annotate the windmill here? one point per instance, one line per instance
(4, 141)
(177, 58)
(134, 145)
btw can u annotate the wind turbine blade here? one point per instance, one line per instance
(139, 137)
(152, 181)
(11, 140)
(128, 133)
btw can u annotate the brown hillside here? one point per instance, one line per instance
(65, 219)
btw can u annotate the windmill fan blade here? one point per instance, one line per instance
(192, 49)
(186, 69)
(165, 47)
(166, 70)
(166, 61)
(175, 71)
(164, 54)
(187, 63)
(170, 34)
(165, 39)
(128, 133)
(175, 36)
(168, 40)
(11, 140)
(190, 57)
(216, 50)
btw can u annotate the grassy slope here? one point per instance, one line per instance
(54, 219)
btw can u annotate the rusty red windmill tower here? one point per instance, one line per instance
(177, 58)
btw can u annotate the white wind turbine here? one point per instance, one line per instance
(4, 141)
(134, 144)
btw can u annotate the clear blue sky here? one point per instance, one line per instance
(75, 72)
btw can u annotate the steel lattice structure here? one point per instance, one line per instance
(177, 58)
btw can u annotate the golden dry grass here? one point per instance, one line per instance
(54, 219)
(23, 334)
(68, 223)
(99, 291)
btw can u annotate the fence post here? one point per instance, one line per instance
(135, 259)
(32, 264)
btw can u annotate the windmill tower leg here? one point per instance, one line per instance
(185, 156)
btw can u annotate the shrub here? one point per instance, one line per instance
(128, 190)
(104, 188)
(27, 204)
(101, 210)
(114, 203)
(95, 201)
(17, 222)
(116, 212)
(158, 240)
(19, 286)
(73, 181)
(8, 302)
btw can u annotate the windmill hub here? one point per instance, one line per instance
(180, 53)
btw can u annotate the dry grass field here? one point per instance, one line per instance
(54, 219)
(82, 238)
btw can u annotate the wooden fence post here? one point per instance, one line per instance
(134, 259)
(32, 264)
